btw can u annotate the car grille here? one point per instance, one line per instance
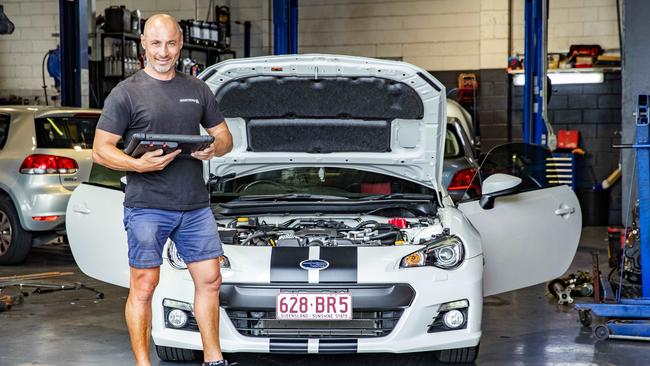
(364, 324)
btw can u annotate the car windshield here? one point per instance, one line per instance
(66, 132)
(318, 183)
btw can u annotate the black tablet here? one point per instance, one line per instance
(144, 142)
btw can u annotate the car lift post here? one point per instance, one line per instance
(285, 26)
(535, 85)
(630, 318)
(535, 114)
(74, 50)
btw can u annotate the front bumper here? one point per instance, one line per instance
(431, 288)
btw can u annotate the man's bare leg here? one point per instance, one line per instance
(207, 280)
(138, 311)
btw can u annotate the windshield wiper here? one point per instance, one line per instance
(290, 197)
(393, 196)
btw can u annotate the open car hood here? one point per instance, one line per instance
(330, 110)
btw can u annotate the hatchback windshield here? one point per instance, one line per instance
(65, 132)
(452, 145)
(327, 181)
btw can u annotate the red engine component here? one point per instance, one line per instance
(398, 222)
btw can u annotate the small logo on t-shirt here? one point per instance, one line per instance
(189, 100)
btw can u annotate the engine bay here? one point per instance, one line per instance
(327, 231)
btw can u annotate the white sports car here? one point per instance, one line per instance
(338, 234)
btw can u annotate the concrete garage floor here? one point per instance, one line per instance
(523, 327)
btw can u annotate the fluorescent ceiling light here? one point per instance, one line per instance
(558, 78)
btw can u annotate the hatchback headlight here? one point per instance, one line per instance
(177, 262)
(445, 253)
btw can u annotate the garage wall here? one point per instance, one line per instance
(572, 22)
(594, 110)
(21, 53)
(256, 11)
(447, 34)
(434, 34)
(37, 28)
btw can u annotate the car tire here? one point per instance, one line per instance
(458, 355)
(177, 354)
(15, 242)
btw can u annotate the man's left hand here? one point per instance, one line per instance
(205, 154)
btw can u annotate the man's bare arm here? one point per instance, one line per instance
(222, 143)
(222, 139)
(106, 153)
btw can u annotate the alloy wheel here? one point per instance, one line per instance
(5, 233)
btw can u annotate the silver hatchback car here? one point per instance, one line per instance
(460, 162)
(45, 152)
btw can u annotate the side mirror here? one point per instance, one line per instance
(213, 180)
(498, 185)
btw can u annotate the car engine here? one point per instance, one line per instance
(304, 232)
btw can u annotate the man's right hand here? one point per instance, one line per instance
(155, 160)
(107, 154)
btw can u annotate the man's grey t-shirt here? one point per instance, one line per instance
(142, 103)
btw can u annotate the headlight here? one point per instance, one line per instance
(174, 257)
(445, 253)
(224, 262)
(177, 262)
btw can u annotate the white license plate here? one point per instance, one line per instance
(313, 306)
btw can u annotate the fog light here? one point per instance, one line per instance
(177, 318)
(453, 319)
(451, 315)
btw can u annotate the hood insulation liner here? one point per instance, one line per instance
(318, 135)
(286, 97)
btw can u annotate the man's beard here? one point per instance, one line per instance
(163, 69)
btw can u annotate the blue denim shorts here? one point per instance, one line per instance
(147, 229)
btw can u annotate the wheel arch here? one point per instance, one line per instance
(6, 192)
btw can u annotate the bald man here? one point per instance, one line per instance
(166, 196)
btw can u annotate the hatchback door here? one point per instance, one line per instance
(529, 237)
(94, 224)
(68, 135)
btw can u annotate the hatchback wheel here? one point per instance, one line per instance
(14, 241)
